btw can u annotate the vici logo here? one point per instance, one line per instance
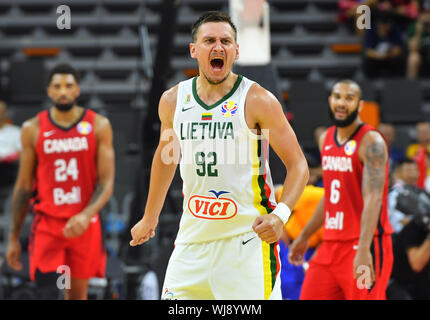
(214, 208)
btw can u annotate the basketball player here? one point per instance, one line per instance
(226, 247)
(69, 159)
(355, 258)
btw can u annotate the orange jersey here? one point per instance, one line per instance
(303, 212)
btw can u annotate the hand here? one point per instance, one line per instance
(76, 225)
(268, 227)
(297, 250)
(13, 254)
(142, 231)
(363, 266)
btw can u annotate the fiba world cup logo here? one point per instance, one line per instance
(350, 147)
(84, 127)
(229, 109)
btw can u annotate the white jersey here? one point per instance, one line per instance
(224, 168)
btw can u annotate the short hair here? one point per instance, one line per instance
(212, 16)
(63, 68)
(351, 83)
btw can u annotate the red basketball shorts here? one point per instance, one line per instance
(331, 276)
(48, 248)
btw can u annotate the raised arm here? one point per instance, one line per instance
(22, 191)
(163, 169)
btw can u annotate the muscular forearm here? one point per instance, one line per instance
(315, 222)
(20, 205)
(161, 177)
(369, 220)
(294, 184)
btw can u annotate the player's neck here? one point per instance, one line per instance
(210, 93)
(344, 133)
(66, 117)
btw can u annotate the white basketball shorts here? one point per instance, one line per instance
(237, 268)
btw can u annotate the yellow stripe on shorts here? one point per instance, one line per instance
(260, 203)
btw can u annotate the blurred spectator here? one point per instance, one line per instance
(388, 130)
(419, 45)
(404, 11)
(405, 175)
(292, 276)
(410, 279)
(10, 147)
(383, 48)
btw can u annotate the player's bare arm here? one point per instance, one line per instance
(374, 155)
(264, 112)
(105, 159)
(299, 247)
(22, 190)
(162, 171)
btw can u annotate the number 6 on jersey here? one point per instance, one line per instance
(334, 191)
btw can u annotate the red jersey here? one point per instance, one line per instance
(342, 178)
(66, 173)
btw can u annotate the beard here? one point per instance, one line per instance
(345, 122)
(64, 107)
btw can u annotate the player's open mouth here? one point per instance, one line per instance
(217, 64)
